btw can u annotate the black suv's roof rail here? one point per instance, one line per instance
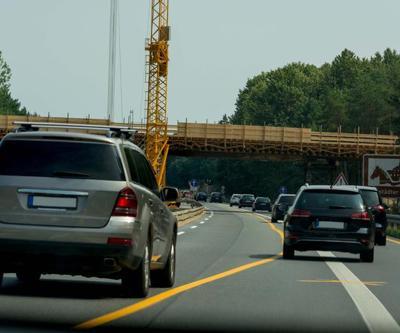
(112, 131)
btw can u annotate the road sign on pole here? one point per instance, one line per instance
(283, 190)
(341, 180)
(194, 185)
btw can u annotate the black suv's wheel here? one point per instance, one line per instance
(367, 256)
(274, 220)
(166, 277)
(136, 283)
(380, 240)
(28, 277)
(1, 278)
(288, 252)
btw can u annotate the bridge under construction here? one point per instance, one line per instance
(244, 141)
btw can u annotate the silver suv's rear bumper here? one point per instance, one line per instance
(83, 251)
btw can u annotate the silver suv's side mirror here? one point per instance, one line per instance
(169, 194)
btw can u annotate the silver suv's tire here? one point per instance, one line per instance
(166, 277)
(136, 283)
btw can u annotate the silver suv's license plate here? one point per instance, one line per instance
(329, 225)
(37, 201)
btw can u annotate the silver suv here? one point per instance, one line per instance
(83, 204)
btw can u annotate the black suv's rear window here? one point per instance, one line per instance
(330, 200)
(286, 199)
(66, 159)
(371, 198)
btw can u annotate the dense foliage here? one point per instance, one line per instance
(8, 105)
(350, 92)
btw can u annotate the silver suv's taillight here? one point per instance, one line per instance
(126, 204)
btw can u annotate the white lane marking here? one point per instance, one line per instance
(206, 219)
(194, 227)
(201, 222)
(375, 315)
(181, 233)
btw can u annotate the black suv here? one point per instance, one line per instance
(201, 196)
(329, 219)
(374, 202)
(216, 197)
(280, 207)
(246, 200)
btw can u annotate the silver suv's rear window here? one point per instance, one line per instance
(66, 159)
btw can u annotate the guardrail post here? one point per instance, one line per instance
(301, 138)
(244, 135)
(320, 139)
(186, 132)
(358, 140)
(264, 136)
(376, 140)
(339, 136)
(225, 136)
(205, 136)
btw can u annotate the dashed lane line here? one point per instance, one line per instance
(194, 227)
(180, 233)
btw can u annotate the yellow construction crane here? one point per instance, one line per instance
(157, 90)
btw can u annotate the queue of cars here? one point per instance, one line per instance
(334, 218)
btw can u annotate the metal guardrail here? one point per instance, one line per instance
(393, 221)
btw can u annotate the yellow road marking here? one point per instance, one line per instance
(151, 301)
(368, 283)
(271, 225)
(393, 240)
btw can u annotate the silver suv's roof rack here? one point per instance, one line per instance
(112, 131)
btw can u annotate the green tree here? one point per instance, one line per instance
(8, 105)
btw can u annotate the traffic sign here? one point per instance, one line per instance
(194, 185)
(283, 190)
(341, 180)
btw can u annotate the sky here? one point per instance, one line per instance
(58, 49)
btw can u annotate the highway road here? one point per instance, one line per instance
(230, 277)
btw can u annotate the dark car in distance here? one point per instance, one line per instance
(262, 203)
(246, 200)
(216, 197)
(280, 206)
(329, 219)
(201, 196)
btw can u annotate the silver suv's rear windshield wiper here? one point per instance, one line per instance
(339, 207)
(70, 174)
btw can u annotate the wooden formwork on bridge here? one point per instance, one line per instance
(193, 138)
(244, 140)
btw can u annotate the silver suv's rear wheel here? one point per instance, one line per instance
(166, 276)
(136, 283)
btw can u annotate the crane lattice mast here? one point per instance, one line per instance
(157, 90)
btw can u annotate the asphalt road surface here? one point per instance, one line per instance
(230, 277)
